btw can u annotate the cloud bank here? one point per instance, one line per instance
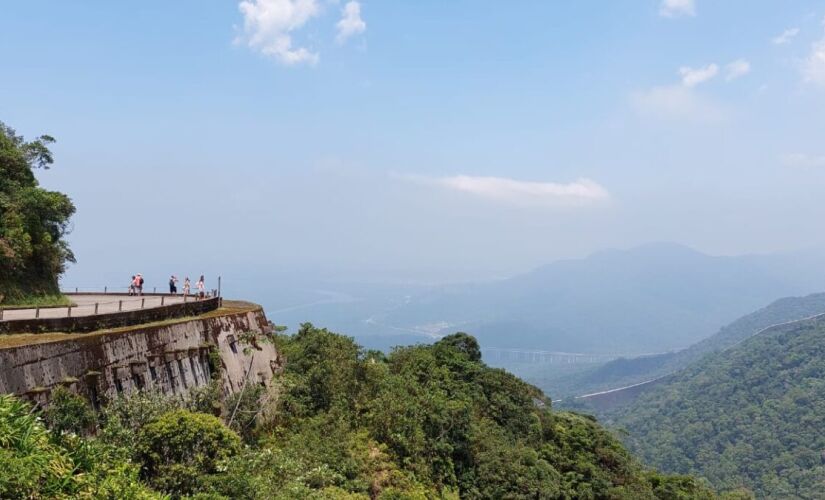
(521, 193)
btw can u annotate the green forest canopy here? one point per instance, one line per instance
(751, 416)
(423, 422)
(33, 220)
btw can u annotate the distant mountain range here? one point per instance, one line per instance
(653, 298)
(627, 371)
(749, 416)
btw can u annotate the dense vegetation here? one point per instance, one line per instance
(343, 423)
(33, 221)
(623, 372)
(750, 416)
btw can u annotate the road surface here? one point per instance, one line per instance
(106, 304)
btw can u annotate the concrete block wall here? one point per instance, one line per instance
(171, 358)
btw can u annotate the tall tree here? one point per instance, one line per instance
(33, 220)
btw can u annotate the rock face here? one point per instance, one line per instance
(171, 357)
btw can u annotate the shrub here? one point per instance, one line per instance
(123, 417)
(68, 412)
(34, 465)
(180, 446)
(243, 408)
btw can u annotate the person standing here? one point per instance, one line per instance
(201, 288)
(139, 280)
(132, 285)
(186, 286)
(173, 285)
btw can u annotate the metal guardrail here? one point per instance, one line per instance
(95, 317)
(126, 289)
(129, 302)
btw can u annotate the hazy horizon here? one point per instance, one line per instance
(428, 143)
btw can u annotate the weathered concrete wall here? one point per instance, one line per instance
(109, 320)
(169, 357)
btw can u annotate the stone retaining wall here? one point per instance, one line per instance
(81, 324)
(170, 358)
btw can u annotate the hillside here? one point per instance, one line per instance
(627, 371)
(344, 423)
(653, 298)
(749, 416)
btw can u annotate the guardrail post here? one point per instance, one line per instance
(162, 299)
(184, 298)
(69, 312)
(142, 303)
(119, 305)
(96, 304)
(36, 312)
(1, 314)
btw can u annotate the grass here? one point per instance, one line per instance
(56, 300)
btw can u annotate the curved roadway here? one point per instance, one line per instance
(106, 304)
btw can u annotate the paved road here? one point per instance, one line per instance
(86, 306)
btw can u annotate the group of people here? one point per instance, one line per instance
(136, 286)
(200, 285)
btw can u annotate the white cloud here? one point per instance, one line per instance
(682, 101)
(692, 77)
(803, 160)
(521, 193)
(736, 69)
(351, 22)
(268, 27)
(785, 37)
(676, 102)
(676, 8)
(814, 65)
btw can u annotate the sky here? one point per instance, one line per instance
(418, 141)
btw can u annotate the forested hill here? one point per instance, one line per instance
(623, 372)
(752, 415)
(344, 423)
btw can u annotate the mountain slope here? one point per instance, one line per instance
(652, 298)
(626, 371)
(749, 416)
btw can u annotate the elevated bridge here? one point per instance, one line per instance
(545, 357)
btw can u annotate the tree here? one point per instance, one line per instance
(179, 447)
(33, 220)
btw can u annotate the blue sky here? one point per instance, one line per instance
(419, 140)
